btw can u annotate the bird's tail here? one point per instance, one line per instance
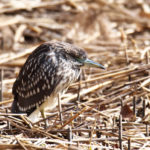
(14, 107)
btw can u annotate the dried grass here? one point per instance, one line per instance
(105, 109)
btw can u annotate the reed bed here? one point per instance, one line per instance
(105, 109)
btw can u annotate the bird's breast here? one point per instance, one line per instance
(68, 76)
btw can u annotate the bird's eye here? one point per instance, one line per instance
(80, 60)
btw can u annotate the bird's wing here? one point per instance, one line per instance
(35, 81)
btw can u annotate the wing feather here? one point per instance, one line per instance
(34, 84)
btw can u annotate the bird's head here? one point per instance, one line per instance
(81, 57)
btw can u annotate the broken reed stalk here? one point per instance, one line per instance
(134, 105)
(129, 144)
(20, 143)
(79, 89)
(120, 132)
(144, 107)
(70, 135)
(147, 129)
(1, 85)
(75, 116)
(124, 41)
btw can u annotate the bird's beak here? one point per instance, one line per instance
(91, 63)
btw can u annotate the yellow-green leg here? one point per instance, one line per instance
(44, 117)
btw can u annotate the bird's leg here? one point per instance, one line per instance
(44, 117)
(60, 108)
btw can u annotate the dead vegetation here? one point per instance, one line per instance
(105, 109)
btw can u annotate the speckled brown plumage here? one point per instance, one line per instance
(48, 71)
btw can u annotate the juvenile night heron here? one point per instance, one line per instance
(47, 72)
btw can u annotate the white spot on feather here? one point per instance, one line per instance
(38, 90)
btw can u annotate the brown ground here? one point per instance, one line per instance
(112, 111)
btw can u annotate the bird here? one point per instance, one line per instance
(47, 73)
